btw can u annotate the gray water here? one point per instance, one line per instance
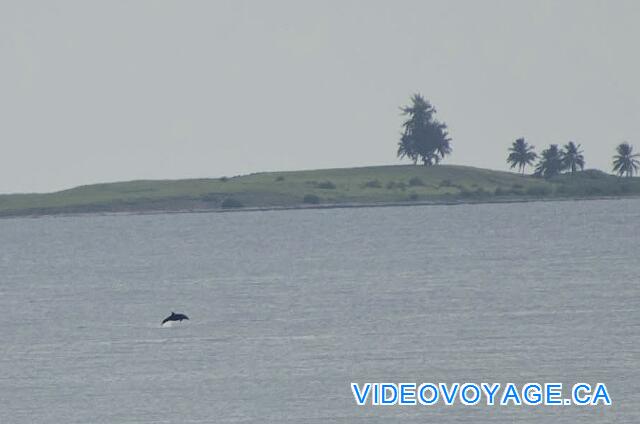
(288, 308)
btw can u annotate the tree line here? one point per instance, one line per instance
(426, 139)
(554, 160)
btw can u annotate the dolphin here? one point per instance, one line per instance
(175, 317)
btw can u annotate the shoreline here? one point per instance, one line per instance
(302, 207)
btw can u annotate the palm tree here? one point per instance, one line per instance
(550, 163)
(521, 155)
(625, 162)
(424, 137)
(572, 157)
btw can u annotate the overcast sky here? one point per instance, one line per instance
(97, 91)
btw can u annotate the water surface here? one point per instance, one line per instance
(288, 307)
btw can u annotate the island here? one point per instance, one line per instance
(326, 188)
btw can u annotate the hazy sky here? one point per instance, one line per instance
(96, 91)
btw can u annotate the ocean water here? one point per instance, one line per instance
(288, 308)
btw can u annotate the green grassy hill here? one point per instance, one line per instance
(348, 186)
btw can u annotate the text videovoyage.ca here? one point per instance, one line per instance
(469, 394)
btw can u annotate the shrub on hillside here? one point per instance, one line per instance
(210, 197)
(538, 190)
(373, 184)
(594, 190)
(413, 196)
(311, 199)
(327, 185)
(279, 178)
(415, 181)
(231, 203)
(392, 185)
(481, 192)
(478, 193)
(626, 188)
(592, 174)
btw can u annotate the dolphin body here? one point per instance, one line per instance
(174, 317)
